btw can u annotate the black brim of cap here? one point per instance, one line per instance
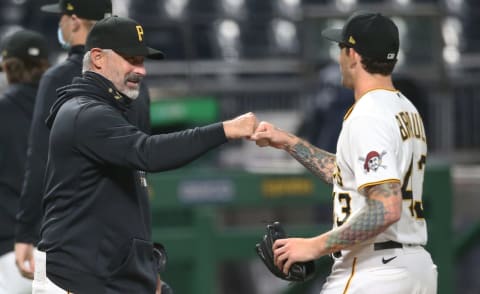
(145, 51)
(334, 35)
(52, 8)
(155, 54)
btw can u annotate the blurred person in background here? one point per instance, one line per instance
(24, 60)
(76, 19)
(325, 108)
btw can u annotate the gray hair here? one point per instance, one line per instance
(87, 60)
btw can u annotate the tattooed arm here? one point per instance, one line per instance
(384, 207)
(318, 161)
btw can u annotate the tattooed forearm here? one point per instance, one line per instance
(383, 207)
(319, 162)
(384, 190)
(363, 226)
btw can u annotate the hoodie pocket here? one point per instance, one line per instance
(137, 273)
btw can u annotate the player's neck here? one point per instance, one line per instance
(367, 82)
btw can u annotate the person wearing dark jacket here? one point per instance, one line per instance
(96, 232)
(77, 18)
(24, 60)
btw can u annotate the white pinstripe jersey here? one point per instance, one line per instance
(382, 139)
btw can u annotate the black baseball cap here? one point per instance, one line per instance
(86, 9)
(370, 34)
(25, 45)
(123, 35)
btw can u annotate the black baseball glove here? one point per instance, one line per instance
(299, 271)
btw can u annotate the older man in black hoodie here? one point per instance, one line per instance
(76, 18)
(24, 60)
(96, 234)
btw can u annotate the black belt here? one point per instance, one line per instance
(387, 245)
(376, 247)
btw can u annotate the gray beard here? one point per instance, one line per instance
(132, 94)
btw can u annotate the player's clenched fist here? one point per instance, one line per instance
(267, 134)
(242, 126)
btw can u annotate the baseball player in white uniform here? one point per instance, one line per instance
(377, 174)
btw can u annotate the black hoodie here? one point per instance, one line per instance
(97, 228)
(16, 108)
(29, 215)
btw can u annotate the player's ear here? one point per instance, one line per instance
(353, 53)
(354, 56)
(350, 53)
(97, 58)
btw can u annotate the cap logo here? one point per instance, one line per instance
(351, 40)
(69, 7)
(139, 33)
(33, 51)
(390, 56)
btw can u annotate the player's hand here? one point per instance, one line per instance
(242, 126)
(290, 250)
(267, 134)
(24, 259)
(159, 286)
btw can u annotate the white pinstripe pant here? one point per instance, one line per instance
(41, 284)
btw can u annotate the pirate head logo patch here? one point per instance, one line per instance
(373, 161)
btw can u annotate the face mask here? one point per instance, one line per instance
(3, 81)
(65, 44)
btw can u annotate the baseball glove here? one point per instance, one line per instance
(299, 271)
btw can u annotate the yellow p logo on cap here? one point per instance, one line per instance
(139, 33)
(351, 40)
